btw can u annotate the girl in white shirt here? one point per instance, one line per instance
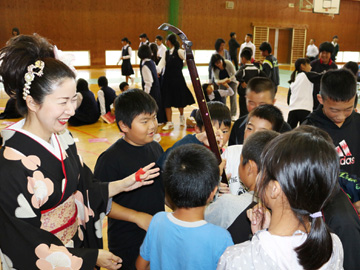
(298, 176)
(301, 92)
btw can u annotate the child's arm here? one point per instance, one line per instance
(148, 78)
(267, 68)
(161, 65)
(101, 99)
(121, 57)
(141, 264)
(126, 214)
(227, 92)
(314, 77)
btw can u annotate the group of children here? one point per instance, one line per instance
(161, 75)
(295, 174)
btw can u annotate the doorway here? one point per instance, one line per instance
(280, 40)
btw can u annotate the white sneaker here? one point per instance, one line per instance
(169, 125)
(182, 121)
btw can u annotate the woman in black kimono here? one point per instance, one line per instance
(51, 207)
(174, 90)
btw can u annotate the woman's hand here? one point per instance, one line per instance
(129, 183)
(259, 217)
(108, 260)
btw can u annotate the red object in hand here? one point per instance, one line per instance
(138, 174)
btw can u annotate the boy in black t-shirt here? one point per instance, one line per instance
(337, 117)
(135, 113)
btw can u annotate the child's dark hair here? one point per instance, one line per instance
(204, 87)
(218, 43)
(314, 131)
(23, 51)
(269, 113)
(247, 54)
(250, 35)
(261, 84)
(232, 34)
(265, 46)
(216, 57)
(326, 46)
(126, 40)
(191, 173)
(298, 63)
(306, 168)
(144, 52)
(123, 85)
(353, 67)
(82, 85)
(103, 81)
(218, 112)
(173, 41)
(255, 144)
(15, 29)
(159, 37)
(131, 103)
(154, 52)
(338, 85)
(143, 35)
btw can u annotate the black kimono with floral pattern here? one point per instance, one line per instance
(34, 184)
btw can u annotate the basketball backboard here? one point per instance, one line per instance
(326, 6)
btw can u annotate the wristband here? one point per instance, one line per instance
(138, 174)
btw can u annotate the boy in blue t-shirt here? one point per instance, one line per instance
(183, 239)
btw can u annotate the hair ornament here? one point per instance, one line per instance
(316, 214)
(32, 70)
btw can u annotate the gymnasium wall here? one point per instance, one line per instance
(99, 25)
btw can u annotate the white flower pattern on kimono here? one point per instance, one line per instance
(41, 187)
(83, 211)
(56, 257)
(6, 262)
(98, 226)
(24, 210)
(66, 139)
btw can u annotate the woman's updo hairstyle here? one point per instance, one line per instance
(23, 51)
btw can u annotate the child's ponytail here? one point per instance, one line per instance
(317, 248)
